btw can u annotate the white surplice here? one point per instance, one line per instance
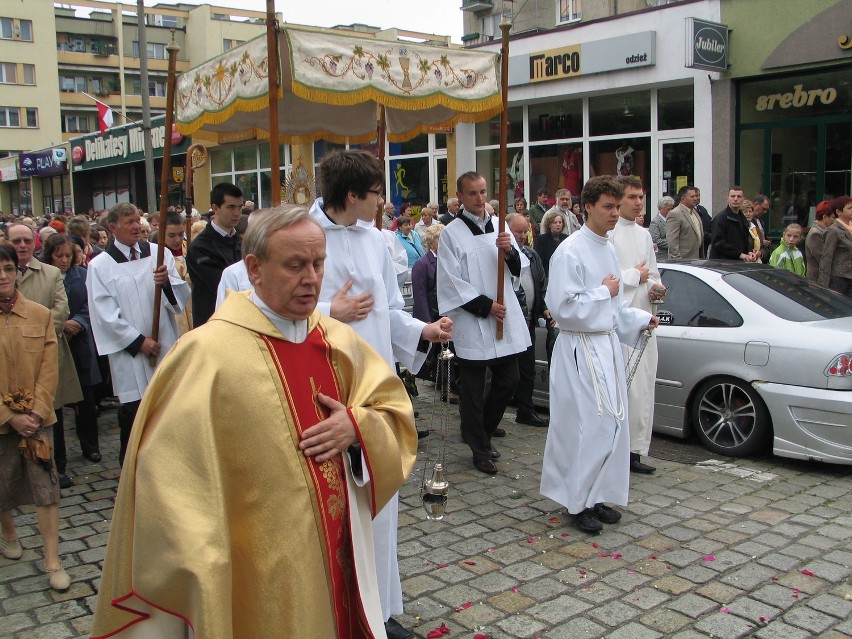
(234, 278)
(632, 245)
(586, 456)
(467, 269)
(359, 253)
(121, 297)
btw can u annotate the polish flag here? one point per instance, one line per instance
(104, 117)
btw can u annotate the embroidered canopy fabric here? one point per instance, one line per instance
(332, 85)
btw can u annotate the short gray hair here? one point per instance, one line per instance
(120, 210)
(666, 200)
(265, 222)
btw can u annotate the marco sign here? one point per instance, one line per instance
(706, 45)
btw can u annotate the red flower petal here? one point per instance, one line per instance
(616, 555)
(762, 618)
(709, 558)
(441, 566)
(807, 572)
(515, 589)
(530, 540)
(435, 634)
(564, 535)
(652, 557)
(464, 606)
(444, 629)
(554, 520)
(726, 611)
(470, 563)
(603, 554)
(595, 545)
(479, 635)
(582, 572)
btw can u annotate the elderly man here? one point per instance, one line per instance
(120, 284)
(684, 229)
(565, 209)
(657, 228)
(452, 211)
(268, 491)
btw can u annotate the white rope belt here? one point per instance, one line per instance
(598, 383)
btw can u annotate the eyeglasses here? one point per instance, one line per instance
(378, 192)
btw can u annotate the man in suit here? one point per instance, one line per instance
(657, 227)
(214, 249)
(531, 296)
(760, 205)
(452, 211)
(684, 230)
(706, 220)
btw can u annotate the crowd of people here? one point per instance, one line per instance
(255, 362)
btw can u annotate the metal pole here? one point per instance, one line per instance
(164, 181)
(505, 25)
(381, 135)
(274, 82)
(146, 110)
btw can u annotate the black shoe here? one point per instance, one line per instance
(587, 522)
(485, 466)
(422, 434)
(93, 457)
(495, 454)
(394, 630)
(606, 515)
(642, 469)
(531, 419)
(498, 432)
(65, 481)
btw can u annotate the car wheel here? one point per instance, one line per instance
(730, 418)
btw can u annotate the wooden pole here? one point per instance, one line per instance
(505, 25)
(165, 175)
(381, 135)
(274, 83)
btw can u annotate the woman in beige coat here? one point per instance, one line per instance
(835, 264)
(28, 372)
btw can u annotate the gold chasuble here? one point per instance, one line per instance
(220, 520)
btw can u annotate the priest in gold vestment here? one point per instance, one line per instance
(265, 442)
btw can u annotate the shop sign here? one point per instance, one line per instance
(797, 98)
(43, 163)
(587, 58)
(8, 169)
(122, 145)
(707, 45)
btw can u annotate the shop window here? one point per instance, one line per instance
(264, 155)
(419, 144)
(620, 113)
(488, 133)
(556, 166)
(628, 156)
(488, 165)
(556, 120)
(675, 108)
(838, 159)
(569, 11)
(409, 180)
(245, 158)
(793, 176)
(220, 161)
(247, 183)
(440, 140)
(10, 117)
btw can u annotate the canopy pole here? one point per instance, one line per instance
(165, 175)
(274, 157)
(505, 25)
(381, 135)
(196, 157)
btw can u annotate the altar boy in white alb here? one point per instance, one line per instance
(642, 287)
(359, 287)
(586, 455)
(120, 284)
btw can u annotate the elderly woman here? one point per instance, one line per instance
(78, 331)
(532, 229)
(835, 264)
(27, 383)
(146, 229)
(427, 221)
(547, 242)
(825, 216)
(409, 239)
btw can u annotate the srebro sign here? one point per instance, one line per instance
(587, 58)
(121, 145)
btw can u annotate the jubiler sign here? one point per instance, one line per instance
(121, 145)
(706, 45)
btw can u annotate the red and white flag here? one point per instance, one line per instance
(104, 116)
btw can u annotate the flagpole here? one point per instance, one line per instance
(128, 120)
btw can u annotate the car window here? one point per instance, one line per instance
(691, 302)
(789, 296)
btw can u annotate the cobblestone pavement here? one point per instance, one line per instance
(721, 548)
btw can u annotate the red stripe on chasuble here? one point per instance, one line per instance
(306, 369)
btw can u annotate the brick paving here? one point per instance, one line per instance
(720, 548)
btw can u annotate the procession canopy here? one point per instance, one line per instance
(332, 86)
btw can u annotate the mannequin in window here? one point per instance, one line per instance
(624, 155)
(572, 169)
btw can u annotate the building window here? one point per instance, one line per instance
(10, 117)
(32, 118)
(569, 11)
(227, 44)
(15, 29)
(155, 50)
(70, 84)
(157, 88)
(29, 74)
(8, 73)
(247, 166)
(75, 124)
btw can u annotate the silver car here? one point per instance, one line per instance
(751, 355)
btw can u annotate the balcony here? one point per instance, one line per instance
(477, 6)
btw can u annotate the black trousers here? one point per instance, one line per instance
(481, 413)
(86, 425)
(126, 415)
(526, 378)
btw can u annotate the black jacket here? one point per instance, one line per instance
(539, 282)
(730, 237)
(545, 246)
(209, 254)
